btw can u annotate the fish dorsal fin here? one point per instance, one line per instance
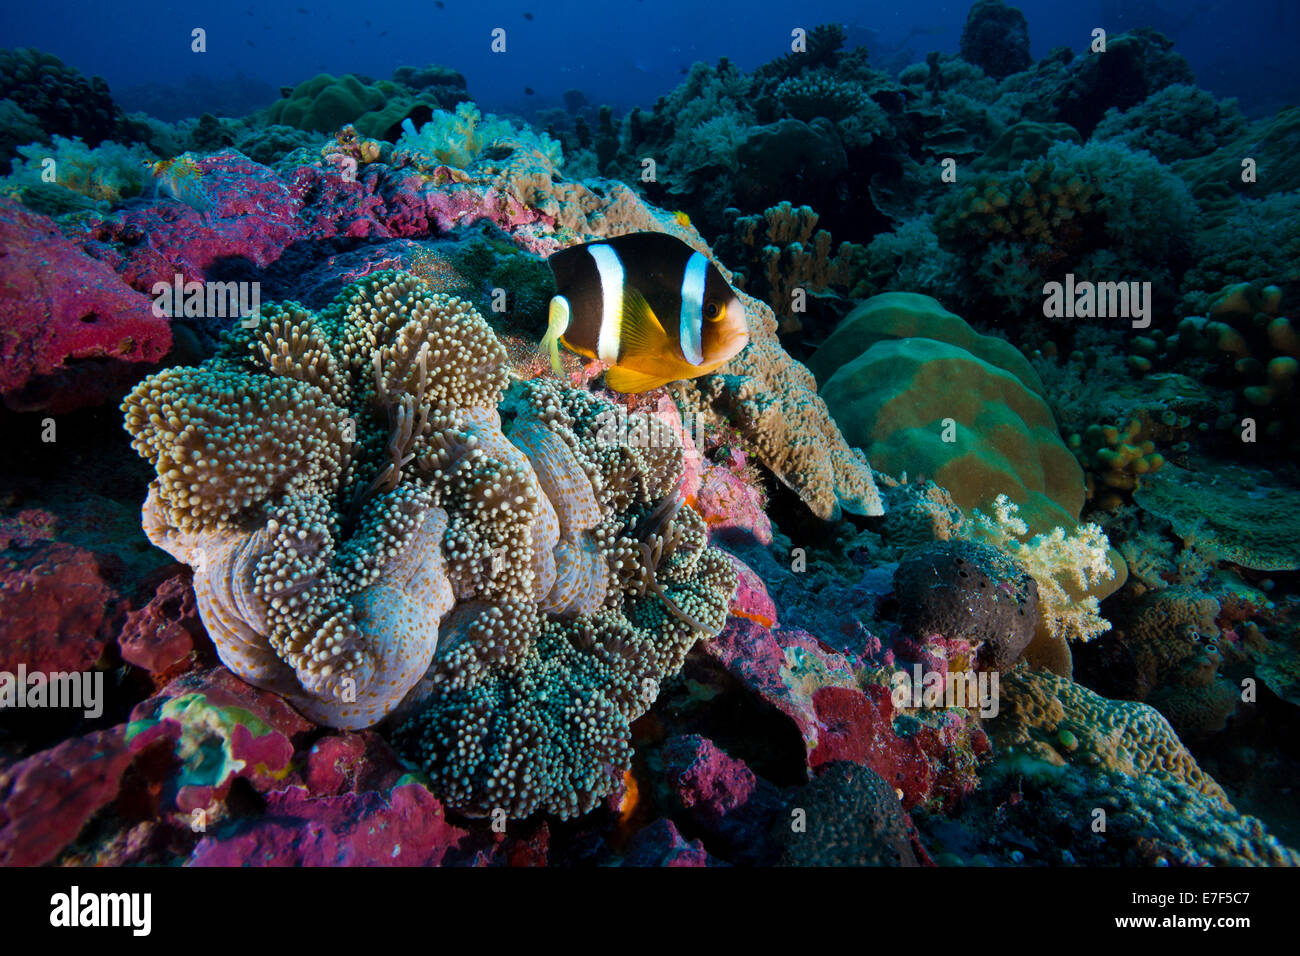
(640, 333)
(629, 381)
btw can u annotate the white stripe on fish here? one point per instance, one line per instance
(692, 319)
(610, 268)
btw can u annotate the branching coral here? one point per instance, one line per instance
(340, 481)
(1061, 212)
(857, 117)
(1244, 342)
(783, 251)
(1116, 458)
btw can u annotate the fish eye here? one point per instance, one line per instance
(714, 310)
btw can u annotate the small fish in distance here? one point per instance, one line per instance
(181, 179)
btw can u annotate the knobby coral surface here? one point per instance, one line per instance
(340, 481)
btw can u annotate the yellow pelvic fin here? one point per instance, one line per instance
(640, 333)
(628, 380)
(557, 324)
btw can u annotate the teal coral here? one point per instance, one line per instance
(533, 712)
(457, 139)
(68, 176)
(339, 481)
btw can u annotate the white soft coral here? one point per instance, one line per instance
(1055, 560)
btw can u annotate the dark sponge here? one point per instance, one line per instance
(971, 592)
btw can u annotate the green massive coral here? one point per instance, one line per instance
(339, 482)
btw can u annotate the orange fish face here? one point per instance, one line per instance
(725, 332)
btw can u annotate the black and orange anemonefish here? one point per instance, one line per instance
(648, 305)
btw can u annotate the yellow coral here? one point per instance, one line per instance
(1118, 735)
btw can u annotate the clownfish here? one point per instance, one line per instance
(649, 305)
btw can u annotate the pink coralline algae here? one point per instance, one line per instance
(255, 216)
(783, 668)
(732, 508)
(47, 798)
(720, 796)
(161, 636)
(751, 600)
(662, 844)
(858, 727)
(55, 609)
(351, 763)
(405, 827)
(71, 331)
(840, 716)
(258, 215)
(219, 729)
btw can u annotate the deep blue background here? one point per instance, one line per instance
(623, 52)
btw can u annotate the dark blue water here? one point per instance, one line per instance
(621, 52)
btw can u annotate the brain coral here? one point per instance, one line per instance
(339, 480)
(854, 818)
(1172, 638)
(1057, 721)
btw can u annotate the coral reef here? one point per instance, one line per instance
(365, 486)
(327, 103)
(457, 139)
(1228, 513)
(60, 99)
(969, 592)
(1115, 458)
(773, 400)
(1073, 571)
(401, 593)
(782, 258)
(66, 176)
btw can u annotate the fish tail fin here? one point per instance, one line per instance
(557, 324)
